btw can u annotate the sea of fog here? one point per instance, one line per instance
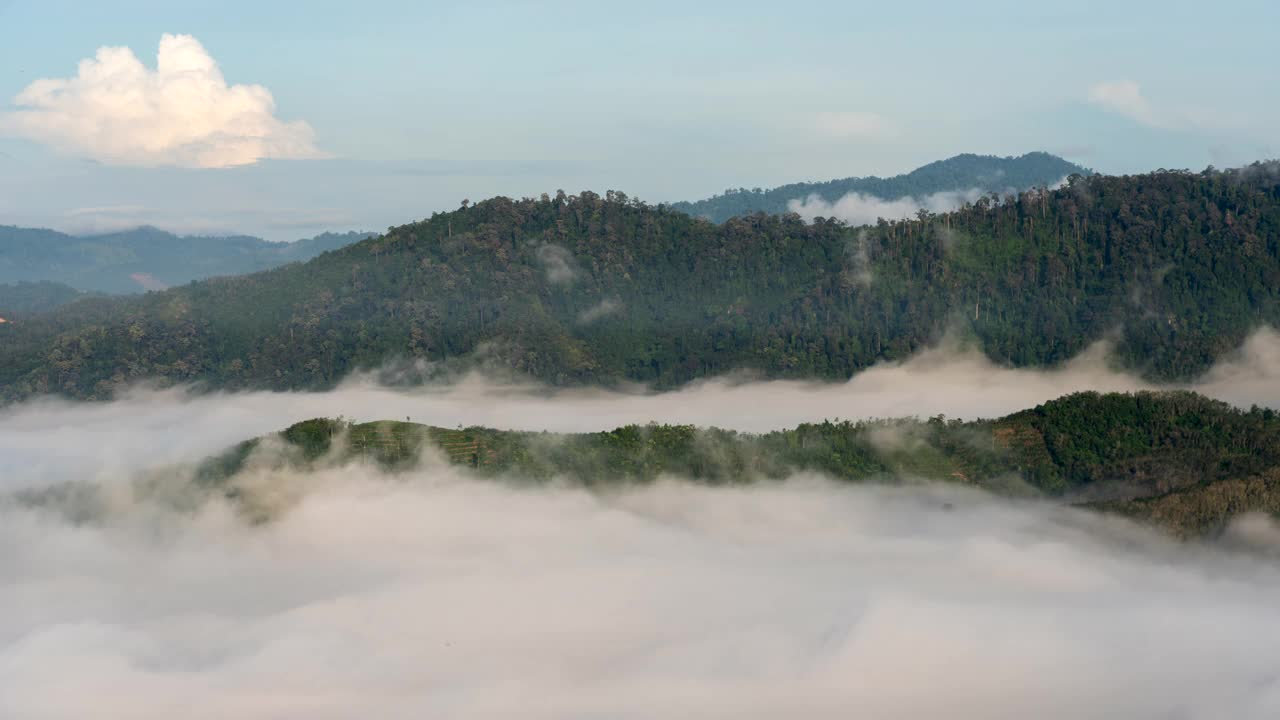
(437, 595)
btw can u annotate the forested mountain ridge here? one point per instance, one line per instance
(966, 172)
(1176, 459)
(145, 258)
(23, 299)
(590, 289)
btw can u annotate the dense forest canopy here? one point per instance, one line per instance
(1138, 453)
(146, 258)
(585, 288)
(984, 173)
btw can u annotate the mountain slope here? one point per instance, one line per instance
(983, 173)
(1178, 460)
(590, 289)
(23, 299)
(145, 258)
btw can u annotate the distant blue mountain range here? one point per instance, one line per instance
(146, 258)
(986, 173)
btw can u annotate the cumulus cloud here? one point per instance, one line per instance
(441, 596)
(859, 209)
(183, 113)
(558, 264)
(853, 125)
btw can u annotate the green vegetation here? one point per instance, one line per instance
(589, 289)
(23, 299)
(146, 258)
(1178, 459)
(985, 173)
(1205, 508)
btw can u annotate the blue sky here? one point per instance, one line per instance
(409, 107)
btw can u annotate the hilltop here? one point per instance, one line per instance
(1176, 459)
(23, 299)
(959, 174)
(585, 289)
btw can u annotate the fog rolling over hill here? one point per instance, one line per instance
(1177, 269)
(947, 380)
(939, 186)
(451, 590)
(1177, 461)
(497, 574)
(147, 258)
(983, 436)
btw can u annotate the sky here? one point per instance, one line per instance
(286, 119)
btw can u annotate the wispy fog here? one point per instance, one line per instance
(558, 264)
(46, 441)
(859, 209)
(437, 596)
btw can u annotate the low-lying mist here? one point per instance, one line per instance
(47, 440)
(860, 209)
(432, 594)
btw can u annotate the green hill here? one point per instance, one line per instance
(590, 289)
(1177, 459)
(985, 173)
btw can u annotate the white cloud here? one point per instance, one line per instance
(438, 595)
(1124, 97)
(853, 125)
(558, 264)
(859, 209)
(604, 308)
(119, 112)
(858, 261)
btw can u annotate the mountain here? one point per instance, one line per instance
(1175, 459)
(21, 300)
(962, 173)
(1181, 267)
(145, 258)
